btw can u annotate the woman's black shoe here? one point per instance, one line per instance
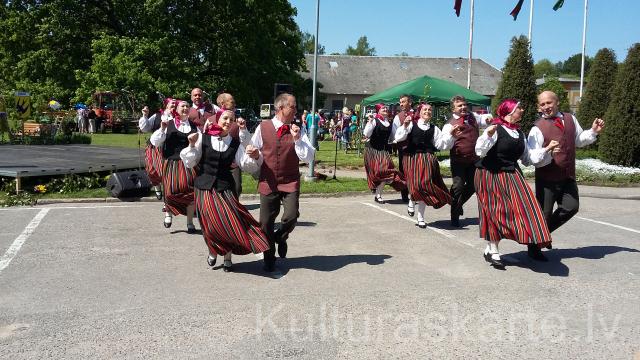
(167, 221)
(227, 266)
(378, 200)
(159, 195)
(535, 253)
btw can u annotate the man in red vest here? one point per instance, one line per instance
(281, 145)
(556, 172)
(464, 126)
(199, 111)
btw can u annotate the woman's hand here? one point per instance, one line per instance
(553, 146)
(492, 130)
(192, 139)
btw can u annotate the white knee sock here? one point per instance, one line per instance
(411, 204)
(421, 207)
(379, 191)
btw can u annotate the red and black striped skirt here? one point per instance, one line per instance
(153, 164)
(177, 183)
(227, 225)
(424, 180)
(380, 169)
(508, 209)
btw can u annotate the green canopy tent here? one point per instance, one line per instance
(426, 88)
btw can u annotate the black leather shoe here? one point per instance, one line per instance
(411, 211)
(191, 229)
(227, 266)
(211, 260)
(535, 253)
(378, 200)
(158, 195)
(455, 221)
(421, 225)
(167, 222)
(282, 249)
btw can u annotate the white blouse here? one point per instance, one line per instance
(529, 156)
(159, 136)
(191, 155)
(368, 129)
(441, 140)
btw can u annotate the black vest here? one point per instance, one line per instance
(505, 153)
(214, 169)
(175, 141)
(421, 141)
(379, 139)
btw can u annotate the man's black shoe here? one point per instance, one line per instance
(535, 253)
(282, 249)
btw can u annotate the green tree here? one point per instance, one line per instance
(553, 84)
(518, 81)
(600, 82)
(573, 64)
(308, 44)
(362, 48)
(620, 142)
(544, 68)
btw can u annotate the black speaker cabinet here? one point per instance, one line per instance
(129, 184)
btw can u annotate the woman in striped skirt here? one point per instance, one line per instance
(421, 166)
(377, 158)
(177, 180)
(153, 155)
(507, 206)
(227, 225)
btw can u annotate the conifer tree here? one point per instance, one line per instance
(518, 81)
(600, 82)
(620, 143)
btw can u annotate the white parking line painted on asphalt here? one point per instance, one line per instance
(442, 232)
(609, 224)
(20, 240)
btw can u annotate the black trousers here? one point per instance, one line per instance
(462, 187)
(237, 178)
(269, 210)
(564, 193)
(405, 192)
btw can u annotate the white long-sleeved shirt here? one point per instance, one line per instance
(245, 137)
(536, 139)
(159, 136)
(191, 155)
(368, 129)
(481, 119)
(529, 156)
(396, 123)
(440, 139)
(304, 149)
(145, 124)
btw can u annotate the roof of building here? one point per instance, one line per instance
(367, 75)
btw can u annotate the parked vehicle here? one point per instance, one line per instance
(114, 112)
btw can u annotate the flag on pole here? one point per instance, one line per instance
(456, 6)
(558, 5)
(516, 10)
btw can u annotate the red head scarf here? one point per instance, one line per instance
(506, 107)
(379, 107)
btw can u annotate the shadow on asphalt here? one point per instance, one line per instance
(446, 224)
(554, 267)
(318, 263)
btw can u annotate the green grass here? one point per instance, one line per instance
(119, 140)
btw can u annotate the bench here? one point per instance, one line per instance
(31, 129)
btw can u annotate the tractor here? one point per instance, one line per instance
(114, 111)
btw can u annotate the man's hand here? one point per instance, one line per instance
(455, 130)
(407, 121)
(492, 130)
(192, 139)
(295, 131)
(598, 125)
(553, 146)
(242, 123)
(252, 152)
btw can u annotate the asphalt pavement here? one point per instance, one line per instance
(361, 281)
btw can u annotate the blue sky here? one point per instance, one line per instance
(431, 28)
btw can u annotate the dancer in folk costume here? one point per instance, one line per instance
(406, 110)
(200, 110)
(281, 146)
(227, 226)
(462, 155)
(507, 206)
(377, 158)
(153, 155)
(177, 180)
(420, 163)
(556, 173)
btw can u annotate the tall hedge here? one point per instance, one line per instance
(600, 82)
(620, 142)
(518, 81)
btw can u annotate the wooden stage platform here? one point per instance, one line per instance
(20, 161)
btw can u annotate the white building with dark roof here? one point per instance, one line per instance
(348, 79)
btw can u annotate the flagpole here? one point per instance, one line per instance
(470, 47)
(530, 22)
(584, 41)
(313, 125)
